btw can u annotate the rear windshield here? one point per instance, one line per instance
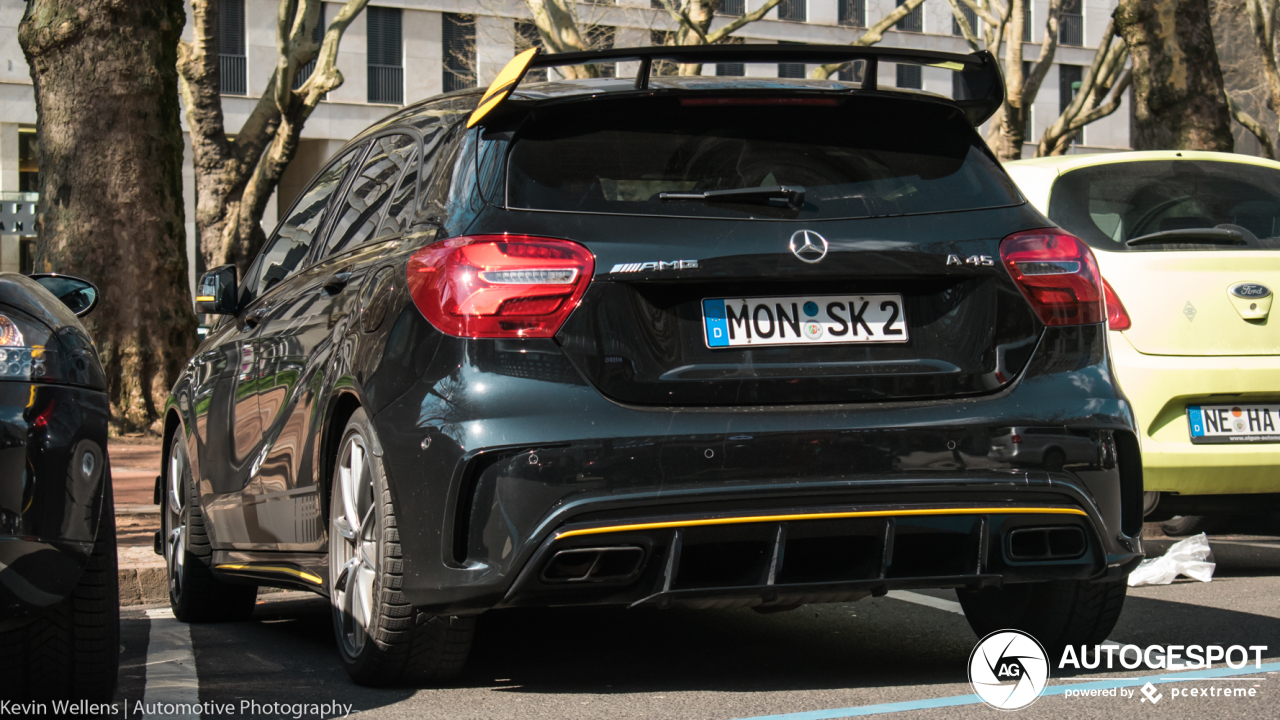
(854, 157)
(1109, 205)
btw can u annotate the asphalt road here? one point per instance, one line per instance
(616, 663)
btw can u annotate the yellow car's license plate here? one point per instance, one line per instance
(1234, 423)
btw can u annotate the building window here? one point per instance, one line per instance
(317, 36)
(27, 255)
(386, 56)
(1026, 21)
(1071, 23)
(459, 35)
(909, 76)
(730, 70)
(790, 70)
(1070, 78)
(1028, 132)
(852, 13)
(793, 10)
(28, 161)
(527, 37)
(912, 21)
(970, 17)
(727, 7)
(601, 37)
(233, 68)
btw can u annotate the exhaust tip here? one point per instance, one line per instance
(600, 564)
(1047, 543)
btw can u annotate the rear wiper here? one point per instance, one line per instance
(792, 194)
(1211, 236)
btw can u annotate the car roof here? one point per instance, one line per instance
(1035, 176)
(1066, 163)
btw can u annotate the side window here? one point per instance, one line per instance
(370, 189)
(400, 211)
(284, 251)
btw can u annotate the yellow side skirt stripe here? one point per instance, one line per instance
(824, 516)
(309, 577)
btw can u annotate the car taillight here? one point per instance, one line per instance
(499, 286)
(1117, 316)
(1058, 275)
(1017, 438)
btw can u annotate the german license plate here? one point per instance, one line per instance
(1234, 423)
(804, 320)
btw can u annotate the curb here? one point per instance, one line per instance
(143, 577)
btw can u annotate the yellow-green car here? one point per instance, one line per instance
(1189, 244)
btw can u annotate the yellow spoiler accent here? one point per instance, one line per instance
(824, 516)
(948, 66)
(503, 84)
(205, 298)
(309, 577)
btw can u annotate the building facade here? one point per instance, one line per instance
(401, 51)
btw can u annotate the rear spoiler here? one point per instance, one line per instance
(981, 84)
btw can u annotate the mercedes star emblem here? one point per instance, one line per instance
(808, 245)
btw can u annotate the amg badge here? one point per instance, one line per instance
(660, 265)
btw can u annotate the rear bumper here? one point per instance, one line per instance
(813, 555)
(490, 468)
(1160, 388)
(49, 507)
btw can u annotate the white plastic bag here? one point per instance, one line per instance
(1186, 557)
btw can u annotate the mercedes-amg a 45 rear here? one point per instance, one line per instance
(688, 341)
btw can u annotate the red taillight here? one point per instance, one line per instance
(499, 286)
(1017, 438)
(1057, 274)
(1117, 316)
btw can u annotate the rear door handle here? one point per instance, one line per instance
(336, 282)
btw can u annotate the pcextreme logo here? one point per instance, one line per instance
(1008, 669)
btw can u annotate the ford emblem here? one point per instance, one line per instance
(1249, 291)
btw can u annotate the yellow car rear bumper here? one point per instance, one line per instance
(1160, 387)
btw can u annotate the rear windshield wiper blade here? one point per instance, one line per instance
(792, 194)
(1209, 236)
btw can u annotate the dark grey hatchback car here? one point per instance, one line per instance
(663, 340)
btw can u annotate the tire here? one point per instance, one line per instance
(194, 593)
(71, 650)
(397, 644)
(1057, 613)
(1184, 525)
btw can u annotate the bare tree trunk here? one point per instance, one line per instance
(111, 184)
(235, 180)
(1179, 102)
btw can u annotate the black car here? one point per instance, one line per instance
(698, 341)
(59, 602)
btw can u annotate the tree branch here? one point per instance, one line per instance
(873, 35)
(1252, 126)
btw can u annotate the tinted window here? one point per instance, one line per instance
(1108, 205)
(370, 190)
(855, 157)
(283, 253)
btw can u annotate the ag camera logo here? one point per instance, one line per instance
(1008, 669)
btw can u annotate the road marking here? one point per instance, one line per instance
(171, 666)
(926, 600)
(1051, 690)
